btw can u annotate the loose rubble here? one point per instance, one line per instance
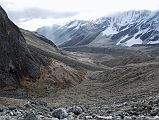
(37, 110)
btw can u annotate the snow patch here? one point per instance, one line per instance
(130, 42)
(133, 41)
(153, 42)
(109, 31)
(78, 27)
(73, 24)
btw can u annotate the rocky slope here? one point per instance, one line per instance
(14, 109)
(31, 65)
(126, 29)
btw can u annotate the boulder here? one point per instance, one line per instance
(60, 113)
(76, 110)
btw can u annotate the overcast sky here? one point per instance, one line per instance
(32, 14)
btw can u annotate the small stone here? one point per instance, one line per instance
(60, 113)
(71, 116)
(12, 114)
(145, 118)
(156, 101)
(154, 112)
(30, 116)
(134, 117)
(156, 117)
(12, 108)
(88, 117)
(64, 119)
(121, 114)
(127, 118)
(54, 119)
(76, 110)
(104, 117)
(27, 105)
(38, 103)
(1, 109)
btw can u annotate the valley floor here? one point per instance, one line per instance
(125, 81)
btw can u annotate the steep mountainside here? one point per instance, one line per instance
(127, 29)
(31, 65)
(16, 61)
(38, 41)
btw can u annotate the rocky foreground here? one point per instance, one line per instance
(147, 109)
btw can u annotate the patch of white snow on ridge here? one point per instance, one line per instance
(130, 42)
(109, 31)
(73, 24)
(78, 27)
(133, 41)
(153, 42)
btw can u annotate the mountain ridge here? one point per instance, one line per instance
(31, 65)
(126, 29)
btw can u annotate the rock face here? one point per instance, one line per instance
(16, 61)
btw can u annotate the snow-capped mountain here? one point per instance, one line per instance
(126, 29)
(72, 33)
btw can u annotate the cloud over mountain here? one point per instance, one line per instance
(35, 13)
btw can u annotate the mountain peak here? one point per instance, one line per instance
(126, 28)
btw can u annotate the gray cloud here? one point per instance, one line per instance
(33, 13)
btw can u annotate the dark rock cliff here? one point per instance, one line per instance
(16, 62)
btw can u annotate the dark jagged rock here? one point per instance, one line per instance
(16, 62)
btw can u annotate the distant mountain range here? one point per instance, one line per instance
(126, 29)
